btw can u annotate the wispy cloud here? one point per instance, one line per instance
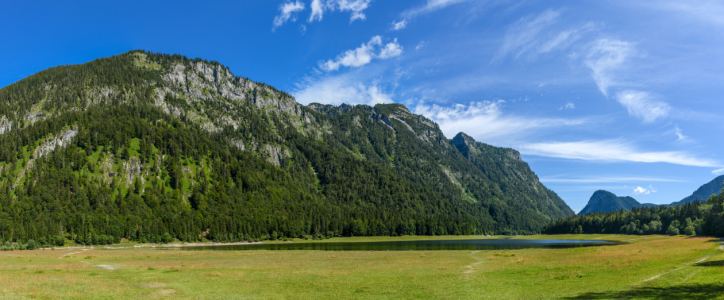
(535, 35)
(364, 54)
(399, 25)
(612, 151)
(288, 10)
(355, 7)
(605, 58)
(607, 179)
(697, 10)
(485, 120)
(428, 7)
(642, 105)
(718, 172)
(569, 105)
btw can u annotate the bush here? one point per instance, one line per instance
(689, 230)
(58, 240)
(167, 238)
(672, 230)
(31, 245)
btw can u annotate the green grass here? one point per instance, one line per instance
(621, 271)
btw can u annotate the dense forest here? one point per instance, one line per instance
(154, 147)
(691, 218)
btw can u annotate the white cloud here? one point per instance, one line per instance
(569, 105)
(429, 6)
(698, 10)
(399, 25)
(355, 7)
(420, 45)
(317, 10)
(718, 172)
(346, 88)
(485, 120)
(612, 151)
(680, 136)
(363, 54)
(531, 37)
(288, 11)
(607, 179)
(605, 58)
(643, 106)
(390, 50)
(639, 190)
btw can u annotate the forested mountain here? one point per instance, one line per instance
(605, 201)
(703, 193)
(151, 147)
(692, 218)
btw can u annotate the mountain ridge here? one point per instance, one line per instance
(166, 146)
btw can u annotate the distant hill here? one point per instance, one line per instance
(704, 192)
(605, 201)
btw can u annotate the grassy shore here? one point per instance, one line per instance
(648, 267)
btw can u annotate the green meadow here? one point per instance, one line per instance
(645, 267)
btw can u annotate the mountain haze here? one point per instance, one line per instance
(152, 147)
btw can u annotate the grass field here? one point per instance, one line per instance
(648, 267)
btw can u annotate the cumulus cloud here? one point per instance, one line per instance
(485, 120)
(355, 7)
(346, 88)
(317, 10)
(363, 54)
(612, 151)
(288, 11)
(605, 58)
(642, 105)
(399, 25)
(639, 190)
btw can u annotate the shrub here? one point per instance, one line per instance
(689, 230)
(58, 240)
(31, 245)
(672, 230)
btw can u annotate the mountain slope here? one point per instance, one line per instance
(703, 193)
(152, 147)
(604, 201)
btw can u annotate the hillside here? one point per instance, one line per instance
(152, 147)
(703, 193)
(604, 201)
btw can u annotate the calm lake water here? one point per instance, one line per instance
(481, 244)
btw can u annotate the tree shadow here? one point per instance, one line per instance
(689, 291)
(716, 263)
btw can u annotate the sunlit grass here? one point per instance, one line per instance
(592, 272)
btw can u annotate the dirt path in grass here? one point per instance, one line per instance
(677, 269)
(471, 267)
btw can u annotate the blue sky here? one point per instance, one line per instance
(614, 95)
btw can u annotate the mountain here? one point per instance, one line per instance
(604, 201)
(703, 193)
(151, 147)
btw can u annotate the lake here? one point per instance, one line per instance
(480, 244)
